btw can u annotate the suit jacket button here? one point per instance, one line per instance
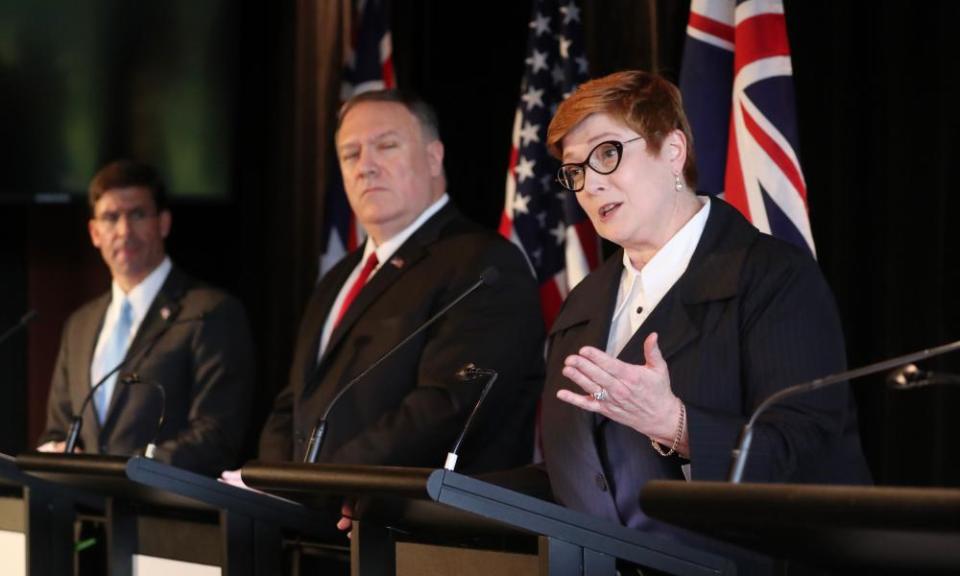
(601, 482)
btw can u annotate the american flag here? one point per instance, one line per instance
(737, 85)
(367, 65)
(538, 215)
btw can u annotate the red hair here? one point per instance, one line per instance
(649, 104)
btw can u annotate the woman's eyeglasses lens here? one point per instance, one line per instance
(603, 159)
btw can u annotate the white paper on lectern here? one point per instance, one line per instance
(153, 566)
(13, 553)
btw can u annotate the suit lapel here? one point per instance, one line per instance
(590, 314)
(712, 275)
(594, 304)
(404, 259)
(672, 321)
(584, 321)
(164, 309)
(316, 316)
(385, 277)
(90, 332)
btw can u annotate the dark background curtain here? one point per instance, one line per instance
(877, 102)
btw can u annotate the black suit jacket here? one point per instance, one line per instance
(204, 362)
(409, 410)
(750, 316)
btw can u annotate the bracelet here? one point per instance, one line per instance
(676, 439)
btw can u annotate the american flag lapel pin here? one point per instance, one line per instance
(397, 263)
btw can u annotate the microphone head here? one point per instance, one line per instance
(471, 371)
(467, 372)
(490, 276)
(904, 376)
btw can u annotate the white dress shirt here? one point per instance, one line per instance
(140, 297)
(641, 290)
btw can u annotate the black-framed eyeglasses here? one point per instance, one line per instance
(603, 159)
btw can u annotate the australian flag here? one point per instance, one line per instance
(737, 84)
(367, 65)
(538, 215)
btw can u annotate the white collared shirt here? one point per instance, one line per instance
(384, 252)
(141, 297)
(641, 290)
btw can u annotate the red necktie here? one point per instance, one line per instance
(368, 267)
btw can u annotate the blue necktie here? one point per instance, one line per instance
(113, 354)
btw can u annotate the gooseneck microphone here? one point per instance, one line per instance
(24, 320)
(488, 277)
(909, 376)
(151, 448)
(74, 433)
(468, 373)
(746, 436)
(169, 316)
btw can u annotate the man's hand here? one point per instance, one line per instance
(345, 523)
(56, 446)
(232, 477)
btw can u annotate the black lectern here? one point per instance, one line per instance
(48, 513)
(252, 523)
(908, 530)
(437, 505)
(155, 509)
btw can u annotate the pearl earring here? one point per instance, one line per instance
(677, 184)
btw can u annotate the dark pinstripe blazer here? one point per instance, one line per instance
(749, 316)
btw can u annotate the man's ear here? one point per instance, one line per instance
(94, 232)
(435, 158)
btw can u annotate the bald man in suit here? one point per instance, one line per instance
(421, 254)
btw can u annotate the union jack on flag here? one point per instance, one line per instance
(367, 65)
(538, 215)
(737, 85)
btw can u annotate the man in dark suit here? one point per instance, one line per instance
(409, 410)
(166, 328)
